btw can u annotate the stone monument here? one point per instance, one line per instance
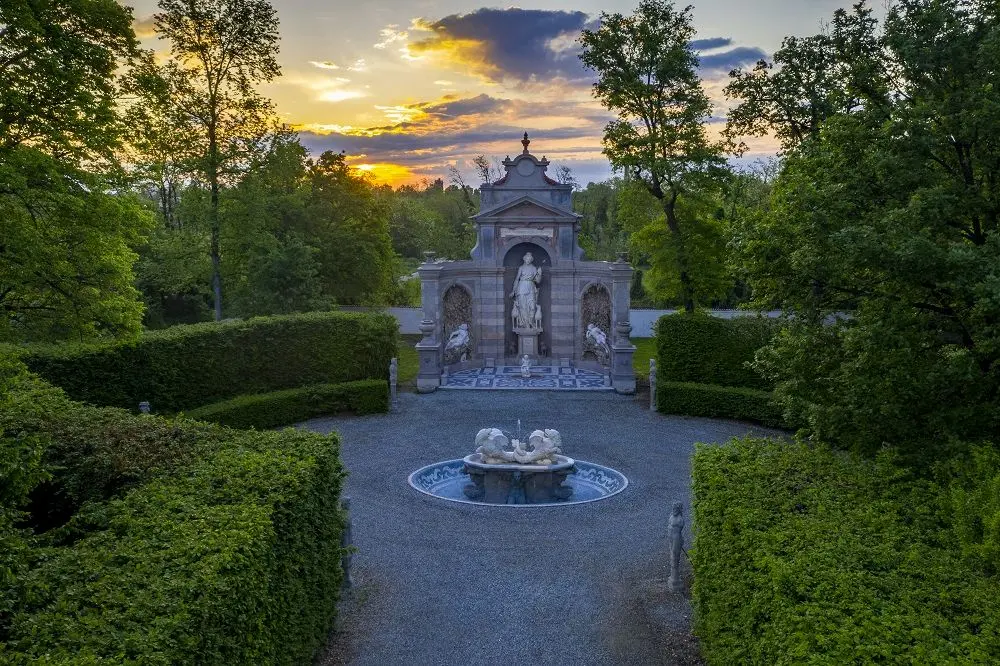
(527, 289)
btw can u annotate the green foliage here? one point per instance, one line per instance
(711, 400)
(974, 487)
(807, 555)
(882, 238)
(66, 257)
(57, 82)
(282, 408)
(705, 349)
(189, 366)
(662, 146)
(702, 236)
(219, 51)
(235, 561)
(21, 470)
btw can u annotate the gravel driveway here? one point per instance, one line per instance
(439, 582)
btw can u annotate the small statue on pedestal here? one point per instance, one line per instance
(675, 536)
(525, 367)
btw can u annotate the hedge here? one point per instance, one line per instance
(705, 349)
(184, 367)
(717, 401)
(806, 555)
(282, 408)
(234, 560)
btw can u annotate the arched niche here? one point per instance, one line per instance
(595, 308)
(456, 309)
(511, 261)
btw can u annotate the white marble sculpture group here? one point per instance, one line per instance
(496, 448)
(459, 345)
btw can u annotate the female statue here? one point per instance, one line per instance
(525, 294)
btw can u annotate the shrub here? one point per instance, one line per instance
(234, 561)
(189, 366)
(806, 555)
(717, 401)
(701, 348)
(282, 408)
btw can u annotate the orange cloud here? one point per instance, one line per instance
(388, 173)
(145, 28)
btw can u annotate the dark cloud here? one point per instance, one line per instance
(453, 108)
(723, 63)
(435, 147)
(516, 43)
(710, 43)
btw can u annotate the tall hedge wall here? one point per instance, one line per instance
(803, 555)
(187, 542)
(189, 366)
(707, 350)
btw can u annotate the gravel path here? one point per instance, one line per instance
(439, 582)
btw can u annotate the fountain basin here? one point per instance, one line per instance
(588, 482)
(514, 483)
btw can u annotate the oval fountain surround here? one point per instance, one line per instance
(507, 472)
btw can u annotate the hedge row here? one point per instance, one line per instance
(236, 561)
(717, 401)
(282, 408)
(184, 367)
(186, 542)
(806, 555)
(705, 349)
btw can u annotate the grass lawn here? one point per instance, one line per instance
(645, 349)
(409, 363)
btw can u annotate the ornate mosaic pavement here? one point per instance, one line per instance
(552, 378)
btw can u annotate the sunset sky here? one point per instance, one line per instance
(408, 87)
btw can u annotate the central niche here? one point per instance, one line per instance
(511, 262)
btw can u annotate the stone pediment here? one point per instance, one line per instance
(527, 207)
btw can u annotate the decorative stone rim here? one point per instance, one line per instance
(453, 468)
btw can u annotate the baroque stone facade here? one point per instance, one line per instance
(523, 213)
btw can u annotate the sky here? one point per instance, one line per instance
(408, 88)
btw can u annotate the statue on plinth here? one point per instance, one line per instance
(597, 342)
(527, 310)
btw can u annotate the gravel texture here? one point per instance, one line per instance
(439, 582)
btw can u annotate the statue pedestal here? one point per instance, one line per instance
(527, 341)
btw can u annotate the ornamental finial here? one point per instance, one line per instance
(524, 142)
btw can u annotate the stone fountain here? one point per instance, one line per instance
(505, 470)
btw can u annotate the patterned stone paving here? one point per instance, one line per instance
(551, 378)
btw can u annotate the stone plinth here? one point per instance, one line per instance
(527, 341)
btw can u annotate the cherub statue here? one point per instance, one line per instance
(492, 446)
(544, 447)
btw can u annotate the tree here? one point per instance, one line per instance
(66, 252)
(67, 230)
(647, 75)
(349, 227)
(811, 79)
(488, 169)
(220, 50)
(882, 238)
(564, 176)
(57, 74)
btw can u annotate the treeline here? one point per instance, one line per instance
(139, 191)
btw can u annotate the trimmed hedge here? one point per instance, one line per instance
(234, 561)
(705, 349)
(806, 555)
(184, 367)
(186, 542)
(717, 401)
(282, 408)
